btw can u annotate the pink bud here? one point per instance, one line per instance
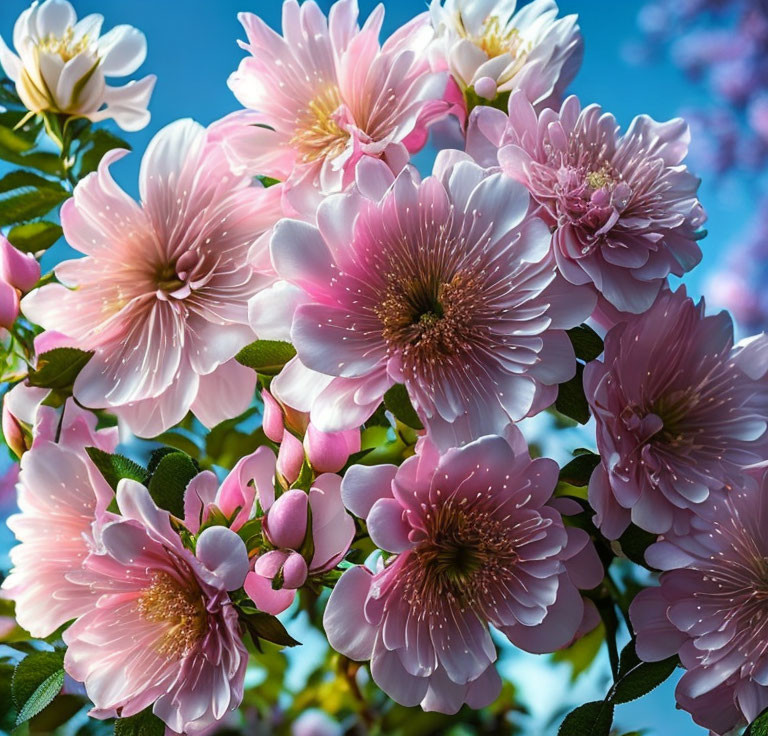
(291, 565)
(9, 305)
(328, 452)
(486, 87)
(273, 418)
(290, 458)
(13, 432)
(294, 571)
(286, 521)
(16, 268)
(260, 591)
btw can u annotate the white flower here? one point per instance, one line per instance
(62, 64)
(492, 50)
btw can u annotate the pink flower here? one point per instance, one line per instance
(297, 551)
(443, 285)
(710, 609)
(19, 272)
(473, 544)
(61, 496)
(679, 412)
(624, 207)
(494, 50)
(329, 94)
(161, 295)
(163, 632)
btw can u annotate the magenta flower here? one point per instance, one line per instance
(679, 411)
(444, 285)
(61, 496)
(474, 543)
(328, 94)
(710, 609)
(161, 295)
(624, 206)
(163, 632)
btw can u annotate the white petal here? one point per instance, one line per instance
(122, 51)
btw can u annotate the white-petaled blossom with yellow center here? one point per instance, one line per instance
(491, 50)
(60, 65)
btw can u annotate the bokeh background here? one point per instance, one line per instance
(640, 58)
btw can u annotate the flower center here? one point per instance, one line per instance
(65, 45)
(429, 318)
(318, 134)
(495, 39)
(180, 608)
(166, 278)
(602, 177)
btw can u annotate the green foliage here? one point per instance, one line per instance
(579, 470)
(266, 357)
(398, 402)
(142, 724)
(587, 344)
(115, 467)
(34, 236)
(571, 400)
(58, 368)
(265, 626)
(638, 678)
(93, 146)
(590, 719)
(634, 542)
(583, 652)
(27, 195)
(37, 680)
(169, 480)
(758, 727)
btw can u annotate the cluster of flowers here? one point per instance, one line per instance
(461, 287)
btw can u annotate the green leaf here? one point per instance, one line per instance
(266, 356)
(579, 470)
(58, 368)
(590, 719)
(758, 727)
(398, 402)
(634, 542)
(37, 680)
(268, 181)
(587, 344)
(62, 708)
(98, 143)
(582, 653)
(571, 400)
(170, 479)
(115, 467)
(34, 236)
(145, 723)
(29, 180)
(28, 204)
(637, 678)
(265, 626)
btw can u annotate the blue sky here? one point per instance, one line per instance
(192, 50)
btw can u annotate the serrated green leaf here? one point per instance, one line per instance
(115, 467)
(34, 236)
(27, 204)
(58, 368)
(590, 719)
(571, 400)
(579, 470)
(169, 481)
(63, 707)
(638, 678)
(37, 680)
(145, 723)
(587, 344)
(266, 356)
(398, 402)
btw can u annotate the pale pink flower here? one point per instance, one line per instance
(328, 93)
(442, 284)
(61, 496)
(474, 543)
(19, 272)
(161, 294)
(163, 632)
(710, 610)
(624, 206)
(679, 410)
(492, 50)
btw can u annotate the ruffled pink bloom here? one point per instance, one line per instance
(493, 50)
(19, 272)
(161, 295)
(328, 94)
(278, 572)
(474, 543)
(710, 610)
(679, 411)
(443, 284)
(624, 206)
(61, 496)
(163, 632)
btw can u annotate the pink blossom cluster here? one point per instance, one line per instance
(300, 227)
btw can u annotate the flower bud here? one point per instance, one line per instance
(290, 458)
(273, 417)
(286, 521)
(328, 452)
(486, 87)
(291, 566)
(9, 305)
(16, 268)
